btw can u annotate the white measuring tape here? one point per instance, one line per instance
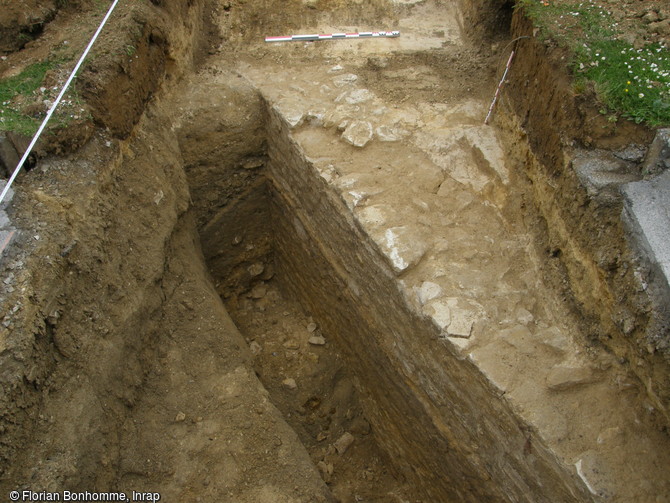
(56, 103)
(334, 36)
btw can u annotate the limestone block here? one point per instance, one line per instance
(593, 471)
(372, 217)
(455, 317)
(339, 115)
(358, 133)
(658, 156)
(403, 247)
(428, 291)
(440, 312)
(554, 339)
(345, 80)
(602, 173)
(355, 97)
(390, 133)
(568, 376)
(486, 141)
(520, 338)
(291, 111)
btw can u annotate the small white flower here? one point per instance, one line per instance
(641, 95)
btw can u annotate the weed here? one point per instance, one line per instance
(24, 84)
(632, 82)
(23, 102)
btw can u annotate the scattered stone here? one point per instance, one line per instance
(565, 377)
(355, 97)
(259, 291)
(253, 163)
(658, 156)
(428, 291)
(336, 68)
(403, 246)
(315, 116)
(256, 269)
(255, 348)
(650, 16)
(321, 437)
(345, 80)
(360, 426)
(326, 470)
(378, 62)
(289, 383)
(311, 327)
(358, 133)
(554, 339)
(269, 273)
(291, 111)
(292, 344)
(524, 316)
(632, 153)
(343, 443)
(180, 417)
(388, 133)
(317, 340)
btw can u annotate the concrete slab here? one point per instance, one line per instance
(647, 211)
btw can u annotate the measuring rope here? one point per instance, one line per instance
(55, 104)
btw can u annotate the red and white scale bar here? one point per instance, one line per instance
(334, 36)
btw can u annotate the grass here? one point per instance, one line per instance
(26, 83)
(24, 101)
(633, 83)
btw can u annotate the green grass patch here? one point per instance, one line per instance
(25, 84)
(634, 83)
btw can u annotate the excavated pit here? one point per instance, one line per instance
(280, 236)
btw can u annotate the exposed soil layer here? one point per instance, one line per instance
(594, 262)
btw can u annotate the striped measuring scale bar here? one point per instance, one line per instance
(334, 36)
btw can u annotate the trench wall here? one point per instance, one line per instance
(90, 277)
(595, 262)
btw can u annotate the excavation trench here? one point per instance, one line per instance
(335, 340)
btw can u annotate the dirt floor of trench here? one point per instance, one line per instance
(309, 382)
